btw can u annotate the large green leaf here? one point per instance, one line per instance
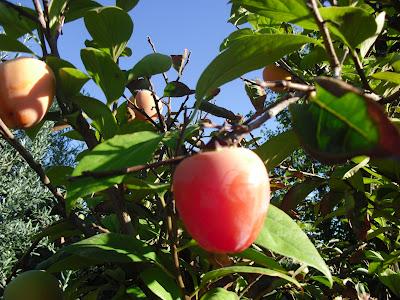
(149, 65)
(218, 273)
(388, 76)
(282, 235)
(118, 152)
(102, 117)
(105, 72)
(278, 148)
(353, 25)
(110, 27)
(289, 11)
(14, 24)
(247, 54)
(160, 284)
(336, 128)
(8, 43)
(78, 9)
(71, 80)
(127, 5)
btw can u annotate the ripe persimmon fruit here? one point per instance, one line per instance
(144, 100)
(272, 73)
(33, 285)
(222, 197)
(27, 89)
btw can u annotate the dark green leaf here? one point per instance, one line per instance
(58, 175)
(127, 5)
(256, 94)
(299, 192)
(58, 230)
(278, 148)
(105, 72)
(160, 283)
(78, 9)
(14, 24)
(217, 111)
(71, 80)
(177, 89)
(149, 65)
(391, 279)
(282, 235)
(218, 273)
(244, 55)
(8, 43)
(219, 294)
(101, 115)
(110, 27)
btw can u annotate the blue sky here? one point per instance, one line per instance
(173, 25)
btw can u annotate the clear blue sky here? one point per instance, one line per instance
(173, 25)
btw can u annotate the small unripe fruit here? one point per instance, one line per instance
(33, 285)
(144, 100)
(272, 73)
(222, 197)
(27, 88)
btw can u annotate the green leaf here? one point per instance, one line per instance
(299, 193)
(391, 279)
(217, 111)
(289, 11)
(58, 230)
(261, 259)
(353, 25)
(247, 54)
(149, 65)
(58, 175)
(141, 185)
(160, 284)
(78, 9)
(8, 43)
(218, 273)
(56, 7)
(368, 43)
(336, 128)
(127, 5)
(14, 24)
(118, 152)
(388, 76)
(282, 235)
(177, 89)
(105, 72)
(71, 80)
(274, 151)
(102, 117)
(110, 27)
(219, 294)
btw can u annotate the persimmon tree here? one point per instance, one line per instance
(332, 227)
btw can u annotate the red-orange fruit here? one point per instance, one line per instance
(144, 100)
(27, 88)
(272, 73)
(222, 198)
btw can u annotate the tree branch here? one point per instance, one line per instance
(282, 84)
(360, 70)
(391, 98)
(334, 61)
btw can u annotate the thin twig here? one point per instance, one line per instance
(180, 110)
(334, 61)
(157, 101)
(128, 170)
(360, 70)
(155, 51)
(282, 84)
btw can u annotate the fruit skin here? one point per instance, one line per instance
(27, 89)
(222, 197)
(144, 100)
(272, 73)
(33, 285)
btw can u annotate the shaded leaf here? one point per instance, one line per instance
(8, 43)
(274, 151)
(282, 235)
(78, 9)
(219, 294)
(177, 89)
(160, 284)
(217, 111)
(127, 5)
(14, 24)
(105, 72)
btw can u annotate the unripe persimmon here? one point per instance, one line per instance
(27, 88)
(222, 197)
(33, 285)
(272, 73)
(144, 100)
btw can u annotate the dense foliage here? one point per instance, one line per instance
(334, 163)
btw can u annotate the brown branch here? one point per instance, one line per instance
(360, 70)
(157, 101)
(334, 61)
(282, 84)
(391, 98)
(128, 170)
(121, 211)
(155, 51)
